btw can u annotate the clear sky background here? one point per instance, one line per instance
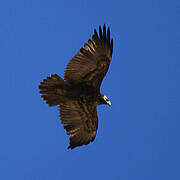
(138, 136)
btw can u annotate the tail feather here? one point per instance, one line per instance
(53, 90)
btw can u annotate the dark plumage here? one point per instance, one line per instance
(79, 93)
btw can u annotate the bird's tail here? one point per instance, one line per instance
(53, 90)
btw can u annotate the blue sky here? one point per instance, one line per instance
(138, 136)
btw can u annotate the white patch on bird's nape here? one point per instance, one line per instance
(107, 100)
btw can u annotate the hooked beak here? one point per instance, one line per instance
(109, 103)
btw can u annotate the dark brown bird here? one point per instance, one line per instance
(79, 93)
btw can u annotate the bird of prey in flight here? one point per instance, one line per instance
(79, 93)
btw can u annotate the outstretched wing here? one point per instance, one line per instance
(80, 121)
(91, 63)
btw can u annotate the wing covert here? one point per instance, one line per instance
(91, 63)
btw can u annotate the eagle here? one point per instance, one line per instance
(78, 95)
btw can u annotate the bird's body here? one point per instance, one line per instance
(79, 93)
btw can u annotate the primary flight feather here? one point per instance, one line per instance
(79, 93)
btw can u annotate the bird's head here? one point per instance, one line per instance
(104, 100)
